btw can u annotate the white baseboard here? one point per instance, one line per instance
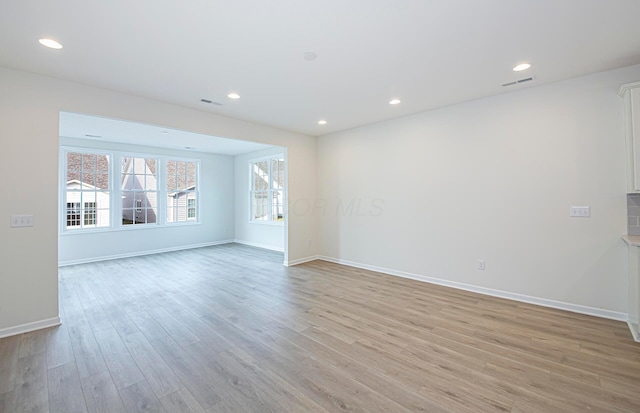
(575, 308)
(300, 261)
(140, 253)
(255, 244)
(634, 332)
(25, 328)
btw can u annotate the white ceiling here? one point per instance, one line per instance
(429, 53)
(74, 125)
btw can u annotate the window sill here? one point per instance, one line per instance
(270, 223)
(126, 228)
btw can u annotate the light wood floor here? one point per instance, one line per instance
(229, 329)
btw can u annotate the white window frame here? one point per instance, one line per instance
(269, 221)
(115, 191)
(135, 206)
(62, 216)
(196, 191)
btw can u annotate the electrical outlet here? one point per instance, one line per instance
(481, 265)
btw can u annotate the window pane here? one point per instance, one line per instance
(191, 175)
(151, 216)
(102, 181)
(73, 196)
(74, 161)
(260, 206)
(73, 214)
(275, 174)
(277, 206)
(127, 216)
(88, 162)
(127, 200)
(191, 208)
(102, 218)
(181, 213)
(150, 183)
(152, 199)
(74, 179)
(151, 166)
(102, 166)
(128, 181)
(181, 171)
(89, 213)
(261, 175)
(88, 180)
(171, 175)
(182, 182)
(87, 196)
(125, 164)
(267, 189)
(171, 211)
(102, 208)
(181, 186)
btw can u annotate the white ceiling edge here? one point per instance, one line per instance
(102, 129)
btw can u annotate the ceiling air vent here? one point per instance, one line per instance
(515, 82)
(211, 102)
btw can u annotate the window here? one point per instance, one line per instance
(89, 213)
(139, 190)
(267, 189)
(111, 189)
(191, 208)
(182, 191)
(73, 214)
(86, 191)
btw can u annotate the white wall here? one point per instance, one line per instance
(491, 179)
(29, 115)
(263, 235)
(216, 193)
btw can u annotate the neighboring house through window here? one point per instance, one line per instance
(73, 214)
(182, 190)
(267, 192)
(139, 190)
(87, 192)
(191, 208)
(152, 189)
(89, 213)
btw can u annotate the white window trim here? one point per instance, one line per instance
(115, 191)
(189, 221)
(280, 155)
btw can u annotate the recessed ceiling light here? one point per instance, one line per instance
(521, 67)
(322, 122)
(394, 101)
(164, 132)
(50, 43)
(233, 96)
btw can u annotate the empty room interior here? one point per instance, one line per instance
(295, 206)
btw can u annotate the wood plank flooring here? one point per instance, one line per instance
(229, 329)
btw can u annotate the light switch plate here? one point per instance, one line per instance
(580, 211)
(21, 221)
